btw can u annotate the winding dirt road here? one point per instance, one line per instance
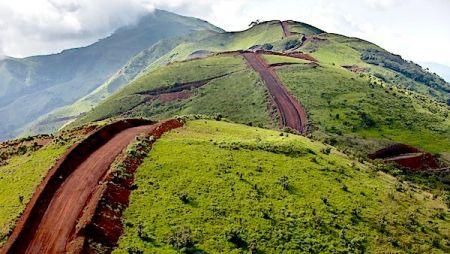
(286, 29)
(50, 227)
(292, 114)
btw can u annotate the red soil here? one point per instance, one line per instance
(407, 157)
(52, 213)
(291, 112)
(100, 224)
(168, 97)
(286, 30)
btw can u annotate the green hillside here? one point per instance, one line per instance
(356, 111)
(260, 191)
(233, 179)
(23, 165)
(34, 86)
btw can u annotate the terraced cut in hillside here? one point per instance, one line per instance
(50, 217)
(208, 86)
(291, 113)
(407, 157)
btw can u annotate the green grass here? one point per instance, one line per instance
(216, 187)
(274, 59)
(18, 181)
(217, 97)
(361, 113)
(340, 50)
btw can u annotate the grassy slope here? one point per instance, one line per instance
(34, 86)
(341, 50)
(19, 179)
(136, 66)
(232, 188)
(274, 59)
(223, 92)
(356, 110)
(265, 33)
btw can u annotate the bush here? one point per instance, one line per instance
(181, 239)
(267, 46)
(292, 44)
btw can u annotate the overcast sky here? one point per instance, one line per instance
(419, 30)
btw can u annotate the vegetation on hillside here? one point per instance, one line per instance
(215, 187)
(235, 92)
(33, 86)
(361, 113)
(408, 69)
(23, 165)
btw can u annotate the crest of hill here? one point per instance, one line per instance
(34, 86)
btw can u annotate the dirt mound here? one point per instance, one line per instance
(407, 157)
(291, 113)
(52, 213)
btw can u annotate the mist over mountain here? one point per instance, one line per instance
(33, 86)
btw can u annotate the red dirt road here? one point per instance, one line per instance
(291, 112)
(69, 199)
(286, 30)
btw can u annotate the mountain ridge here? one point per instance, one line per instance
(60, 79)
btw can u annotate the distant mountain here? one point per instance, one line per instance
(33, 86)
(440, 69)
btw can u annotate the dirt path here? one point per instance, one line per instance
(292, 114)
(52, 232)
(286, 30)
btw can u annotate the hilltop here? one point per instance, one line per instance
(278, 138)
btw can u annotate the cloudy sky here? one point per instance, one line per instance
(419, 30)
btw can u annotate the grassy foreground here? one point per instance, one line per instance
(216, 187)
(19, 178)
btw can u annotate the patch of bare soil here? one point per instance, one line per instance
(407, 157)
(292, 114)
(286, 29)
(50, 217)
(100, 225)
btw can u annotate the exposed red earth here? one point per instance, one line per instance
(291, 113)
(50, 217)
(407, 157)
(179, 87)
(100, 225)
(286, 29)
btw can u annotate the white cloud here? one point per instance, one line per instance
(384, 4)
(42, 26)
(416, 29)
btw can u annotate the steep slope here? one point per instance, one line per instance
(351, 110)
(56, 206)
(34, 86)
(351, 102)
(217, 187)
(23, 165)
(253, 190)
(226, 76)
(57, 118)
